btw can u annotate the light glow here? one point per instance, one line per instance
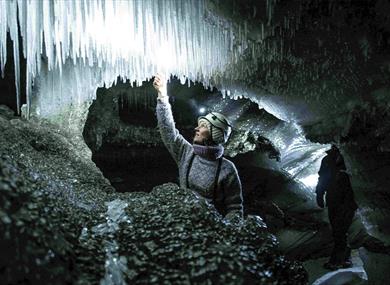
(310, 181)
(131, 39)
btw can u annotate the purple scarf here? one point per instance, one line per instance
(209, 152)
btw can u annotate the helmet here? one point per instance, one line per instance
(221, 123)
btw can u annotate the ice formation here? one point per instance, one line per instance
(74, 46)
(115, 265)
(300, 157)
(131, 39)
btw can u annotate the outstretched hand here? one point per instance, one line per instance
(160, 85)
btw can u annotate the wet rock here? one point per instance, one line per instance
(54, 205)
(6, 112)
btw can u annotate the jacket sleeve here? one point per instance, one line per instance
(323, 179)
(321, 187)
(172, 139)
(233, 193)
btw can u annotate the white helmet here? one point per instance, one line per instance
(221, 123)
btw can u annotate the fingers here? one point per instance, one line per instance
(159, 83)
(160, 77)
(157, 78)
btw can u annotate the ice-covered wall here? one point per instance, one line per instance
(63, 97)
(131, 39)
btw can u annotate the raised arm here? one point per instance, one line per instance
(173, 140)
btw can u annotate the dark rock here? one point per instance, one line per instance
(57, 228)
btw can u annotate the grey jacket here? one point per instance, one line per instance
(202, 175)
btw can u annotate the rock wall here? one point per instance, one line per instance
(62, 223)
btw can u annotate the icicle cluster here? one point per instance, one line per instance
(138, 98)
(132, 39)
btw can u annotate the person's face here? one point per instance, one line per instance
(202, 133)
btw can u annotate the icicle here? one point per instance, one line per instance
(3, 36)
(12, 23)
(124, 38)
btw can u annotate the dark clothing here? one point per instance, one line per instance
(331, 164)
(339, 193)
(335, 182)
(340, 220)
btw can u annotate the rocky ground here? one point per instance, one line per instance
(62, 222)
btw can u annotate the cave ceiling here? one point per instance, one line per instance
(303, 61)
(315, 60)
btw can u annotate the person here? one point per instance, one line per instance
(202, 167)
(334, 181)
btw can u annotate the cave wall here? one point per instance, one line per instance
(333, 61)
(63, 97)
(324, 66)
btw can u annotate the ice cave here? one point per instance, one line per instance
(90, 192)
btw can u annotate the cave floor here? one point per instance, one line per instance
(318, 274)
(63, 223)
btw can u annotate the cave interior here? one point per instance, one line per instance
(77, 113)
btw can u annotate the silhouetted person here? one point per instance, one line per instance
(334, 181)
